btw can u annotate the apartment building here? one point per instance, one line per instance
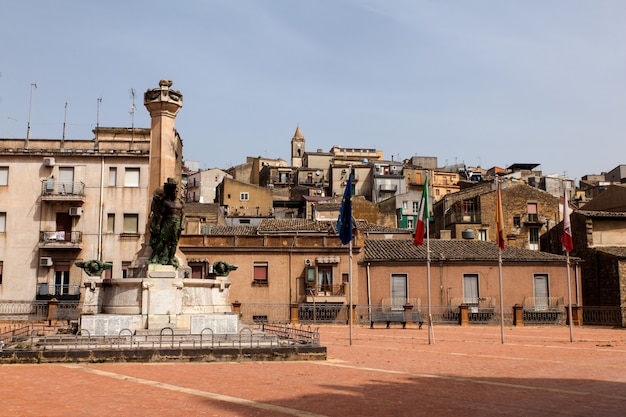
(64, 201)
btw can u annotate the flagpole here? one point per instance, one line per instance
(568, 245)
(500, 232)
(350, 281)
(431, 333)
(501, 299)
(569, 300)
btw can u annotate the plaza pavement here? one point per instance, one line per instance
(466, 371)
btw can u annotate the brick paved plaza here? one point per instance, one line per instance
(385, 372)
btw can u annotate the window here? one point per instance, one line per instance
(131, 223)
(125, 269)
(61, 279)
(325, 279)
(112, 177)
(533, 238)
(399, 291)
(409, 223)
(243, 196)
(131, 177)
(108, 273)
(111, 223)
(405, 205)
(3, 222)
(470, 289)
(0, 272)
(415, 206)
(517, 221)
(482, 234)
(542, 291)
(260, 271)
(196, 270)
(4, 176)
(532, 212)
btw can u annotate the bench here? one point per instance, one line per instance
(389, 317)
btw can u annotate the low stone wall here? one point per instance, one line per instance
(222, 354)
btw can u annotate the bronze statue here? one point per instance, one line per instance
(166, 220)
(94, 268)
(222, 269)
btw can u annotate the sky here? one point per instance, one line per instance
(482, 82)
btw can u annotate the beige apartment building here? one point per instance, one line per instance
(63, 201)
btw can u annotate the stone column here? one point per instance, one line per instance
(408, 316)
(464, 314)
(165, 146)
(293, 313)
(518, 315)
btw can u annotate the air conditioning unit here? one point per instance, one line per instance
(76, 211)
(45, 261)
(307, 262)
(49, 161)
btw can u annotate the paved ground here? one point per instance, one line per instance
(467, 371)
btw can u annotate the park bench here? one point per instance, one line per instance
(389, 317)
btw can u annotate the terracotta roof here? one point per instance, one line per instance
(299, 225)
(296, 225)
(402, 250)
(242, 230)
(368, 227)
(593, 213)
(617, 251)
(298, 134)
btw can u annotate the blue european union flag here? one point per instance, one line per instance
(344, 223)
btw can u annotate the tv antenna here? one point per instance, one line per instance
(30, 108)
(64, 124)
(132, 117)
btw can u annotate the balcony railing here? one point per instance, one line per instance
(57, 190)
(60, 292)
(335, 290)
(529, 218)
(542, 303)
(60, 239)
(467, 217)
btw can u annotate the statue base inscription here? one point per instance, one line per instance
(108, 324)
(218, 323)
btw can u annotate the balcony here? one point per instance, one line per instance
(532, 219)
(60, 292)
(62, 191)
(469, 217)
(60, 240)
(335, 293)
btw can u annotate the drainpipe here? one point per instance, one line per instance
(369, 294)
(101, 208)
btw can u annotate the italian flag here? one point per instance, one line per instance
(423, 211)
(566, 239)
(499, 219)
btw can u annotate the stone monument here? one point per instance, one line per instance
(160, 292)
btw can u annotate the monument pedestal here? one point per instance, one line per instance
(162, 299)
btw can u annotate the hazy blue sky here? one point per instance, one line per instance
(476, 81)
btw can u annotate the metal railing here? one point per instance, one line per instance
(398, 303)
(338, 313)
(60, 237)
(326, 290)
(48, 289)
(59, 188)
(298, 334)
(604, 316)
